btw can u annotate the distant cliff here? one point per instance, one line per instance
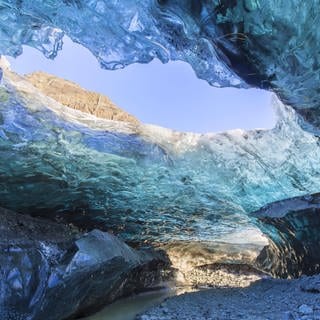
(73, 96)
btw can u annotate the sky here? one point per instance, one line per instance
(169, 95)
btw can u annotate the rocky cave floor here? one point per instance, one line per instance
(263, 299)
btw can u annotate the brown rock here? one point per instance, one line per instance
(75, 97)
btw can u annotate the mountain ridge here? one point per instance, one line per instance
(74, 96)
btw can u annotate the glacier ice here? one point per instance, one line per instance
(271, 44)
(293, 229)
(150, 183)
(50, 271)
(141, 181)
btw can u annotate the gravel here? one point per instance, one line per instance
(264, 299)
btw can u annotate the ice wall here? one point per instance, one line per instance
(145, 182)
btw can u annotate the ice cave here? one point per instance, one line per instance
(96, 207)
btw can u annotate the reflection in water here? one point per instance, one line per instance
(129, 308)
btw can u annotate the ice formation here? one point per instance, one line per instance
(143, 181)
(228, 43)
(146, 182)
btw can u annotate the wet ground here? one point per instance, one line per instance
(129, 308)
(266, 299)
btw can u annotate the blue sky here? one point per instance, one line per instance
(169, 95)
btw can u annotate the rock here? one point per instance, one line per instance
(305, 309)
(311, 284)
(50, 271)
(201, 264)
(288, 316)
(73, 96)
(292, 226)
(267, 299)
(165, 310)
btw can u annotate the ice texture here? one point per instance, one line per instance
(146, 182)
(51, 271)
(271, 44)
(292, 226)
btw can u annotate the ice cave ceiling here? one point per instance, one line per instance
(145, 181)
(228, 43)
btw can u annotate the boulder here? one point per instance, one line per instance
(292, 227)
(52, 271)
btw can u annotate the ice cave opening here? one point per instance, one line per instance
(227, 239)
(102, 203)
(169, 95)
(207, 185)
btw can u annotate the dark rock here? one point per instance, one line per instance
(288, 316)
(292, 227)
(311, 284)
(305, 309)
(51, 271)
